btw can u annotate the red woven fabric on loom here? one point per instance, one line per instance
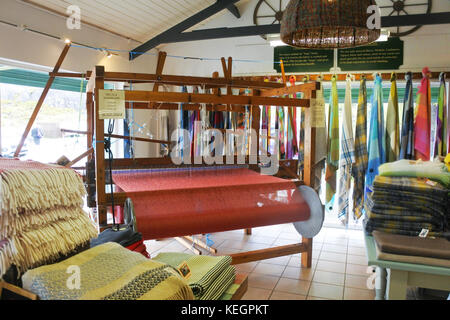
(184, 202)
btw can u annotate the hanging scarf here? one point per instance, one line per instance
(321, 146)
(441, 132)
(280, 121)
(292, 145)
(376, 134)
(422, 124)
(265, 126)
(407, 139)
(332, 144)
(347, 155)
(359, 169)
(392, 124)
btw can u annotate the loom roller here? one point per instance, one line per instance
(307, 229)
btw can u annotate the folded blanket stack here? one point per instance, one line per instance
(210, 276)
(406, 205)
(107, 272)
(417, 250)
(41, 217)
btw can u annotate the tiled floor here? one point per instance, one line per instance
(339, 268)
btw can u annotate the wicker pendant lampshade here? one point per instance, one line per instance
(327, 24)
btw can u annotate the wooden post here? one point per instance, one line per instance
(99, 128)
(308, 171)
(90, 121)
(159, 69)
(41, 100)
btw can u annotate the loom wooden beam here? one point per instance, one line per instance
(269, 253)
(159, 69)
(189, 80)
(304, 87)
(117, 136)
(80, 157)
(181, 97)
(99, 127)
(90, 121)
(41, 100)
(186, 106)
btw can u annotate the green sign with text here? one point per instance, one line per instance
(386, 55)
(303, 60)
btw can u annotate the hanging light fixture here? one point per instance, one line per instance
(327, 24)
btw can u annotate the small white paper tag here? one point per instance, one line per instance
(431, 183)
(423, 233)
(111, 104)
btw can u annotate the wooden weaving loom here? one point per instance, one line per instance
(264, 93)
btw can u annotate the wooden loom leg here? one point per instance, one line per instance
(188, 245)
(307, 254)
(248, 232)
(201, 244)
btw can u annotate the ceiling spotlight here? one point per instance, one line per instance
(67, 41)
(384, 35)
(277, 43)
(109, 54)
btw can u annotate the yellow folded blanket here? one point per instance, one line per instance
(107, 272)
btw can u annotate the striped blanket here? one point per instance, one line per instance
(210, 276)
(107, 272)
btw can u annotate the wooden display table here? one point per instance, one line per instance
(393, 277)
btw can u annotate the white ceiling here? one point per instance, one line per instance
(135, 19)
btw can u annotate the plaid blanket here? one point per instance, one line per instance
(108, 272)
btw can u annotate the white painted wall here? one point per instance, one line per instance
(429, 46)
(42, 52)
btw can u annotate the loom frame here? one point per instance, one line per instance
(216, 101)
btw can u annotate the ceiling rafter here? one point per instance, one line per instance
(182, 26)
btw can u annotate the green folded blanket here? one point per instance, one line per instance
(210, 276)
(433, 170)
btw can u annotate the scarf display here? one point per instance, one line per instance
(332, 144)
(442, 119)
(407, 137)
(376, 145)
(359, 169)
(347, 155)
(392, 123)
(422, 124)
